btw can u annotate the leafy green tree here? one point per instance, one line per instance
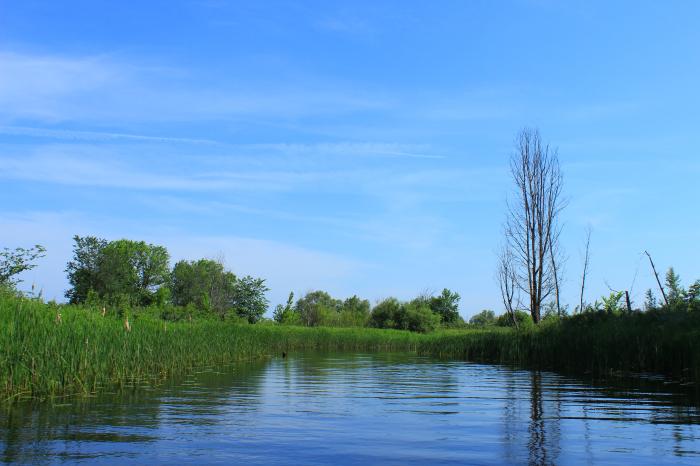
(446, 305)
(650, 302)
(133, 269)
(386, 314)
(249, 301)
(419, 318)
(317, 307)
(84, 267)
(484, 318)
(354, 312)
(286, 314)
(122, 271)
(693, 293)
(203, 284)
(18, 260)
(673, 285)
(524, 319)
(415, 316)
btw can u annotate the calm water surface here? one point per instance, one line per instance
(361, 409)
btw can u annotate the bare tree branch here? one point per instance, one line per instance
(586, 259)
(531, 229)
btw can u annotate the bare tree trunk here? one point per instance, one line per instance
(530, 230)
(508, 279)
(663, 293)
(555, 273)
(629, 304)
(585, 265)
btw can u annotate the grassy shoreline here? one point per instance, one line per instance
(84, 352)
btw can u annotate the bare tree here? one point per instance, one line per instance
(663, 292)
(508, 281)
(531, 227)
(586, 260)
(556, 260)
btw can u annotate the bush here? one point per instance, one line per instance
(415, 316)
(523, 318)
(484, 318)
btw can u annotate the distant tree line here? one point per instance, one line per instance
(125, 273)
(422, 314)
(128, 273)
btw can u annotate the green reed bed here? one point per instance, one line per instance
(86, 352)
(659, 342)
(40, 356)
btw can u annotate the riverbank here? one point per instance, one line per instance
(50, 350)
(663, 342)
(47, 349)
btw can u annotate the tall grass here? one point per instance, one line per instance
(658, 341)
(86, 352)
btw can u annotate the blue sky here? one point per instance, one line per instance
(356, 147)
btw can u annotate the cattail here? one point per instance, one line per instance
(127, 326)
(104, 311)
(58, 318)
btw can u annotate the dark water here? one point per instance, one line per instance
(361, 409)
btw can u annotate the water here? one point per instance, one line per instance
(366, 409)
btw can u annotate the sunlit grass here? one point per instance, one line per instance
(82, 351)
(50, 350)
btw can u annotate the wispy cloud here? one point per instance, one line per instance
(73, 135)
(62, 166)
(68, 88)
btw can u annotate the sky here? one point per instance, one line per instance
(356, 147)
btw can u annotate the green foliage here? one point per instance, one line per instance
(524, 320)
(286, 314)
(611, 304)
(134, 269)
(86, 352)
(118, 271)
(386, 314)
(354, 312)
(248, 299)
(83, 268)
(14, 262)
(693, 293)
(415, 316)
(674, 290)
(446, 306)
(203, 284)
(650, 302)
(484, 318)
(317, 307)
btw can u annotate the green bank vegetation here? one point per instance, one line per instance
(49, 349)
(132, 318)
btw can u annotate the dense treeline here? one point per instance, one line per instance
(126, 274)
